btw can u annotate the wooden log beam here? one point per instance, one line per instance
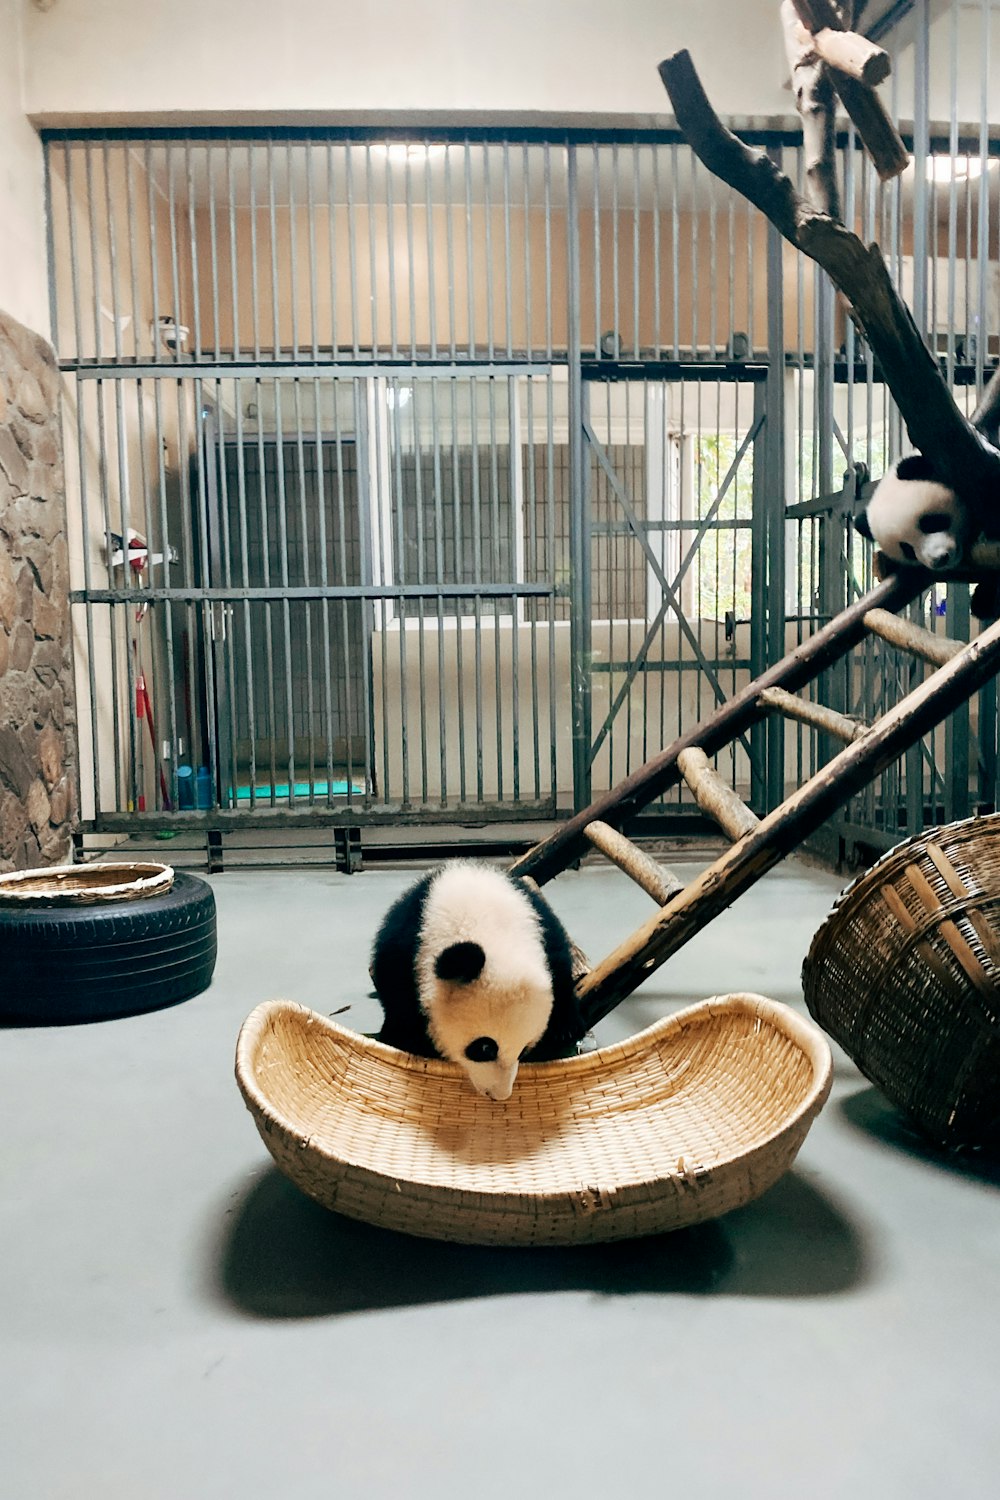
(714, 795)
(817, 715)
(657, 882)
(854, 56)
(730, 720)
(908, 636)
(933, 421)
(857, 56)
(878, 134)
(814, 102)
(742, 866)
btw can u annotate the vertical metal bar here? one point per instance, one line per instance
(460, 577)
(116, 682)
(213, 247)
(440, 576)
(675, 247)
(264, 509)
(580, 631)
(477, 555)
(411, 270)
(654, 153)
(193, 238)
(470, 293)
(635, 250)
(507, 268)
(774, 494)
(306, 576)
(421, 550)
(496, 574)
(372, 258)
(352, 248)
(331, 229)
(921, 153)
(74, 255)
(248, 612)
(325, 555)
(488, 253)
(234, 258)
(431, 254)
(254, 278)
(272, 230)
(132, 229)
(596, 194)
(95, 267)
(449, 221)
(87, 545)
(171, 665)
(286, 619)
(311, 217)
(390, 250)
(394, 440)
(293, 256)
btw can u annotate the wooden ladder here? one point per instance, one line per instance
(760, 843)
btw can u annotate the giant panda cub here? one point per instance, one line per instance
(913, 518)
(473, 966)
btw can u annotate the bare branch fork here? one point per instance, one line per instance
(960, 453)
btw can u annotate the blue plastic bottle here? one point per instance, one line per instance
(185, 787)
(203, 789)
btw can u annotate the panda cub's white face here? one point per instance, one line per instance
(482, 976)
(915, 518)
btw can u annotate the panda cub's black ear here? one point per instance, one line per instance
(861, 525)
(461, 963)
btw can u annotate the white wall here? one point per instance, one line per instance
(350, 58)
(23, 277)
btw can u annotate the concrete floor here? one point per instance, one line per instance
(178, 1323)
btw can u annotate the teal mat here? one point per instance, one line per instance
(302, 789)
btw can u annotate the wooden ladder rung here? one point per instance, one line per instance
(842, 726)
(937, 649)
(657, 882)
(714, 795)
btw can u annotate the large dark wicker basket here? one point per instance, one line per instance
(905, 975)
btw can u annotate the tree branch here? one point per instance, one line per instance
(933, 421)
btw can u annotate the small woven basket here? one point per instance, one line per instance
(905, 975)
(694, 1116)
(85, 885)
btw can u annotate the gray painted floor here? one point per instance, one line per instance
(177, 1323)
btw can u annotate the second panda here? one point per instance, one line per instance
(473, 966)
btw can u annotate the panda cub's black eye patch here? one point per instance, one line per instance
(483, 1049)
(937, 520)
(908, 551)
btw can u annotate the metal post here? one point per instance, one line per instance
(775, 501)
(580, 650)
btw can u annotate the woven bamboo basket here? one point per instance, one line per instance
(85, 885)
(905, 975)
(695, 1116)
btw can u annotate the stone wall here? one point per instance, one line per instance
(37, 720)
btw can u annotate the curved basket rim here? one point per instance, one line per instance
(131, 880)
(806, 1035)
(858, 888)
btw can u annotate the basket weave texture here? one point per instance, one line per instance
(905, 975)
(85, 885)
(694, 1116)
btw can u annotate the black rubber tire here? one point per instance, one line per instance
(63, 964)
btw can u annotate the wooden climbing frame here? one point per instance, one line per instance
(759, 844)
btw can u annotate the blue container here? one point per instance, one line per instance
(185, 787)
(203, 789)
